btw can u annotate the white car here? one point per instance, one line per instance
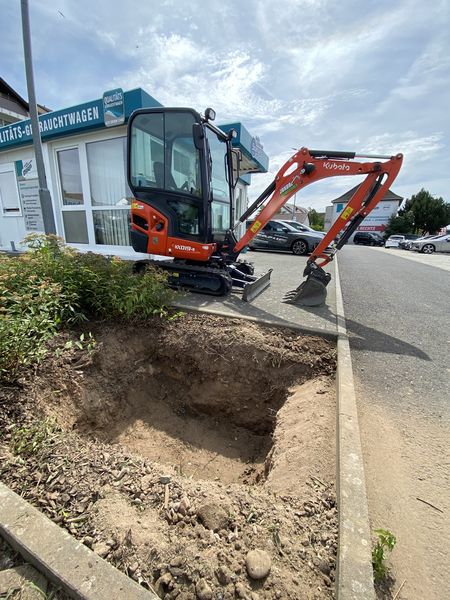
(394, 240)
(441, 243)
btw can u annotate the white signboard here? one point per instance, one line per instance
(28, 185)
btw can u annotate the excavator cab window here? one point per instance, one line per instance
(163, 154)
(220, 188)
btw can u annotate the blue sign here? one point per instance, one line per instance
(76, 119)
(54, 123)
(114, 108)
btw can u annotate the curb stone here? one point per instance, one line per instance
(354, 579)
(60, 557)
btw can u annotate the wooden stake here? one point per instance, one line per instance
(399, 590)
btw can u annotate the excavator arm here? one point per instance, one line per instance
(302, 169)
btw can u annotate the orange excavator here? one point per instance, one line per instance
(182, 171)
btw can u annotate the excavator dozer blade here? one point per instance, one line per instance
(253, 289)
(313, 291)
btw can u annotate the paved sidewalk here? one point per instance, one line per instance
(267, 307)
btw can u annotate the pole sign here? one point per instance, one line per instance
(113, 108)
(28, 184)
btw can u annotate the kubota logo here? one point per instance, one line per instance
(180, 247)
(336, 166)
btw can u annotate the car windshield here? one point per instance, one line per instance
(396, 237)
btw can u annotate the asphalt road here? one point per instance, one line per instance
(398, 319)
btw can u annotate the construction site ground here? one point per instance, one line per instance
(237, 417)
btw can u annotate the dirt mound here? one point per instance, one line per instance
(213, 404)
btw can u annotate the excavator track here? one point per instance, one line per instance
(204, 280)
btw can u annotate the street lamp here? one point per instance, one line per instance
(44, 194)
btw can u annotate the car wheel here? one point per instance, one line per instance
(428, 249)
(372, 243)
(299, 247)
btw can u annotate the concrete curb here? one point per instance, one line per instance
(354, 580)
(329, 335)
(62, 559)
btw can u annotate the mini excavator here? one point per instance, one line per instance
(182, 171)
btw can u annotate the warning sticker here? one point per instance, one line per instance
(256, 225)
(346, 213)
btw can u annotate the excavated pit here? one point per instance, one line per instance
(200, 395)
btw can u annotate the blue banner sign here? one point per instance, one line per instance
(54, 123)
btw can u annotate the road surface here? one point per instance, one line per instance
(398, 318)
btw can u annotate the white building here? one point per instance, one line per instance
(84, 150)
(377, 220)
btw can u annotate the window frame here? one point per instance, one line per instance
(87, 206)
(6, 168)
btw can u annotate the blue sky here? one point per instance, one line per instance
(367, 76)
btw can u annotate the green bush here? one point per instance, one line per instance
(52, 286)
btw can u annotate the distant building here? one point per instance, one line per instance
(13, 107)
(377, 220)
(289, 212)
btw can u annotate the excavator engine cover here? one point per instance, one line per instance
(313, 291)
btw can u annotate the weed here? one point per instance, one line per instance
(27, 441)
(385, 543)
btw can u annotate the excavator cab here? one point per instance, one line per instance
(181, 165)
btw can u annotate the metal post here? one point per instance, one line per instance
(44, 194)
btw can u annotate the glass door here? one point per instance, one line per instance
(72, 198)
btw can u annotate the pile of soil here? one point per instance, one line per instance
(237, 418)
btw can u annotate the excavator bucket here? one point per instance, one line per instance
(313, 291)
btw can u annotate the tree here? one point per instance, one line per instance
(430, 214)
(401, 223)
(316, 220)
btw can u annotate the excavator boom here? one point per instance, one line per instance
(302, 169)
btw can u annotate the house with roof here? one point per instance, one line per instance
(378, 218)
(290, 212)
(13, 107)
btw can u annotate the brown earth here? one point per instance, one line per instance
(240, 418)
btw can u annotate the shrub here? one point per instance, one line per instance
(52, 286)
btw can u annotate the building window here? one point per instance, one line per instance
(110, 194)
(70, 175)
(9, 196)
(112, 227)
(107, 172)
(75, 226)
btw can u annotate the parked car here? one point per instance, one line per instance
(368, 238)
(302, 227)
(440, 243)
(393, 241)
(278, 235)
(407, 242)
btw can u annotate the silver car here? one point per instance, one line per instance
(440, 243)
